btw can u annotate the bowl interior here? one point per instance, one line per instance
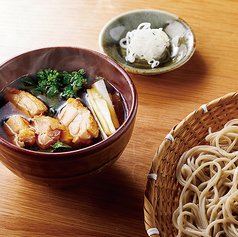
(69, 59)
(117, 28)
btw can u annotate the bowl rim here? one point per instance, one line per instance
(125, 14)
(97, 146)
(135, 70)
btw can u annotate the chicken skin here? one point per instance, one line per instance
(25, 101)
(80, 125)
(75, 125)
(48, 130)
(19, 131)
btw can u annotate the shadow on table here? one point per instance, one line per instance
(111, 197)
(190, 75)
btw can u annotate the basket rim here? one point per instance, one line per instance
(151, 195)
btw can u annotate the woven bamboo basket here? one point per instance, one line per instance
(163, 190)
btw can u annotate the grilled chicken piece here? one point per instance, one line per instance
(80, 125)
(19, 131)
(25, 101)
(48, 130)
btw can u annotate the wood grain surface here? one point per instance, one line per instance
(112, 203)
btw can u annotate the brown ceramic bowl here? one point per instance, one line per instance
(64, 169)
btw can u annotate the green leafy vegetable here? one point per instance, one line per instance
(60, 144)
(49, 82)
(28, 81)
(68, 92)
(74, 81)
(53, 84)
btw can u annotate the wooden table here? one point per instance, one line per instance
(112, 203)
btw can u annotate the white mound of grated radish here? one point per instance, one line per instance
(145, 43)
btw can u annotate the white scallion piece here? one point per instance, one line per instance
(101, 88)
(90, 103)
(102, 108)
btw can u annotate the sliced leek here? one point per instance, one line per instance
(100, 107)
(102, 90)
(90, 103)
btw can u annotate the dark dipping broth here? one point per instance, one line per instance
(7, 109)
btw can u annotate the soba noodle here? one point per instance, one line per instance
(208, 204)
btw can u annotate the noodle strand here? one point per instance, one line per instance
(208, 204)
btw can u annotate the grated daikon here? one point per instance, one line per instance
(145, 43)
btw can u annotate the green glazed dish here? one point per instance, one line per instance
(174, 26)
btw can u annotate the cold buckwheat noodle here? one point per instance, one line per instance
(208, 204)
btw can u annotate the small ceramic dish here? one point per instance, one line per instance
(182, 39)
